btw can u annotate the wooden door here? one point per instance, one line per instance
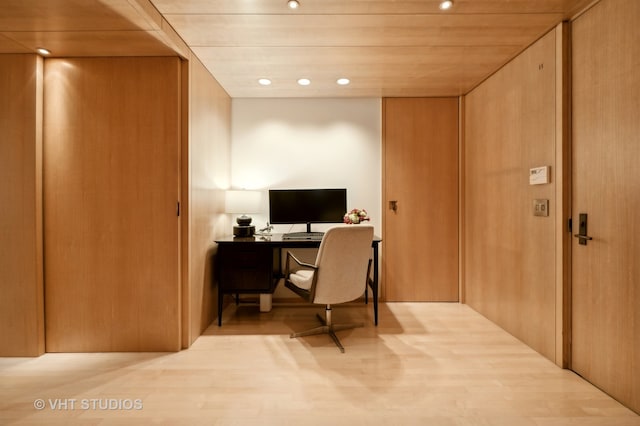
(420, 235)
(606, 187)
(111, 180)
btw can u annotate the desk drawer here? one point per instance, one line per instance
(246, 269)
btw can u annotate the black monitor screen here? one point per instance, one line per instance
(307, 205)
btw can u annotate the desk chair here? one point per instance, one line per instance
(338, 275)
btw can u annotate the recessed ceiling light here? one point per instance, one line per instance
(293, 4)
(304, 82)
(446, 5)
(43, 51)
(343, 81)
(264, 81)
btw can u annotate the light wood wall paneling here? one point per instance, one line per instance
(208, 162)
(563, 195)
(606, 186)
(420, 250)
(185, 205)
(461, 204)
(21, 281)
(510, 253)
(111, 187)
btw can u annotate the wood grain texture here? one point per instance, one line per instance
(327, 30)
(461, 202)
(375, 71)
(362, 40)
(439, 364)
(420, 250)
(606, 186)
(111, 169)
(242, 41)
(510, 254)
(209, 159)
(81, 28)
(21, 281)
(375, 7)
(563, 195)
(93, 43)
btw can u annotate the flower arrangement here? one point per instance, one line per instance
(356, 216)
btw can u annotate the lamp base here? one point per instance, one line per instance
(244, 230)
(243, 220)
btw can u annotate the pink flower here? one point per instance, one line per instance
(356, 216)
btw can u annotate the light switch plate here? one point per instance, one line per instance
(539, 175)
(541, 207)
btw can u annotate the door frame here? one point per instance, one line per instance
(563, 195)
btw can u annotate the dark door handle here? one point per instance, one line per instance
(582, 230)
(393, 205)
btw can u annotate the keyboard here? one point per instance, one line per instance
(315, 236)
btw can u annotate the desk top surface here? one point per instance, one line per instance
(276, 239)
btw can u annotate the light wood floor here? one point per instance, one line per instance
(425, 364)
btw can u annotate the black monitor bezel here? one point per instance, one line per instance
(309, 219)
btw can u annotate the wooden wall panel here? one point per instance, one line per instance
(562, 177)
(420, 250)
(111, 183)
(606, 179)
(21, 289)
(509, 253)
(208, 162)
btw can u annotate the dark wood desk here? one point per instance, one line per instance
(253, 265)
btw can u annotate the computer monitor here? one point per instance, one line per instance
(291, 206)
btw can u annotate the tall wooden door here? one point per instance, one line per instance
(606, 187)
(111, 180)
(420, 196)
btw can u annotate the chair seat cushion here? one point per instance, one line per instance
(302, 278)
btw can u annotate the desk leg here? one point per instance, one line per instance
(374, 295)
(220, 296)
(374, 287)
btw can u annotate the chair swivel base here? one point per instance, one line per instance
(329, 329)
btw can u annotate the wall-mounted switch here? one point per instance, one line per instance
(539, 175)
(541, 207)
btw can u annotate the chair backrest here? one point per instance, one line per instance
(342, 261)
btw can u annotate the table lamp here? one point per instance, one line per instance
(243, 202)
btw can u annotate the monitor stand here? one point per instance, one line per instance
(303, 235)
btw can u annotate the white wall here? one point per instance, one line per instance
(309, 143)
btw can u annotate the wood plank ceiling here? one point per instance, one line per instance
(387, 48)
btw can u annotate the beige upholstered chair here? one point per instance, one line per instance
(339, 274)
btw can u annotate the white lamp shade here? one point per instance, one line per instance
(240, 201)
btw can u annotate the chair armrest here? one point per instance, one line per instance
(287, 267)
